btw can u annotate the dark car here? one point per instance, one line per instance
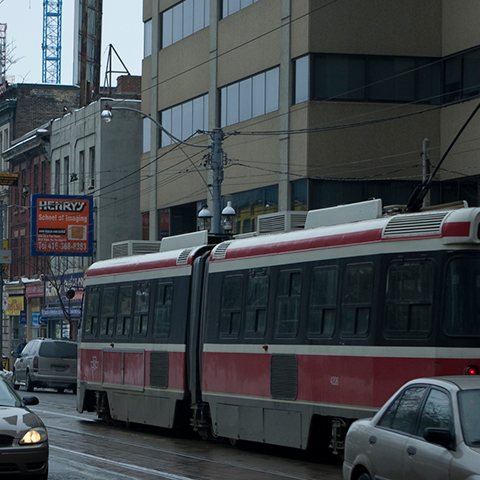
(430, 429)
(47, 363)
(23, 437)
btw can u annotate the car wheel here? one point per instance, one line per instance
(42, 476)
(14, 380)
(60, 390)
(29, 384)
(365, 476)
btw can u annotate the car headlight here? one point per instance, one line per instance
(34, 436)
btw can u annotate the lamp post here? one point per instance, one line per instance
(216, 159)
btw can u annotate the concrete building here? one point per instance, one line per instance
(320, 103)
(90, 157)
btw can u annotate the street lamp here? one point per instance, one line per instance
(204, 219)
(227, 217)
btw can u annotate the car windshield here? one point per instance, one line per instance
(470, 416)
(58, 350)
(8, 398)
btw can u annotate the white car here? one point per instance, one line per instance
(429, 430)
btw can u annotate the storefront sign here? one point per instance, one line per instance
(35, 319)
(23, 317)
(15, 306)
(34, 291)
(57, 312)
(62, 225)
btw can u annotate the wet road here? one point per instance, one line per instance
(83, 448)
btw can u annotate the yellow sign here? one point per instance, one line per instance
(9, 179)
(15, 306)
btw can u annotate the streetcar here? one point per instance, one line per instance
(283, 338)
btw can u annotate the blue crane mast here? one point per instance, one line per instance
(52, 41)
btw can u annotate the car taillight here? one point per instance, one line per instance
(471, 370)
(35, 362)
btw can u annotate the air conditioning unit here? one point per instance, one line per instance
(134, 247)
(281, 222)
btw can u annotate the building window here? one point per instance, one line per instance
(231, 6)
(302, 80)
(183, 20)
(57, 177)
(66, 163)
(81, 162)
(250, 98)
(147, 38)
(91, 153)
(377, 78)
(184, 120)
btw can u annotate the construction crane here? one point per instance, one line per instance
(52, 41)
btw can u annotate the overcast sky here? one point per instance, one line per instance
(122, 27)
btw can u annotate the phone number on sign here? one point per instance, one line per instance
(62, 246)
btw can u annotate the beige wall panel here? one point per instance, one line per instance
(300, 26)
(187, 75)
(464, 158)
(147, 9)
(258, 51)
(259, 155)
(461, 20)
(298, 142)
(146, 77)
(389, 149)
(178, 180)
(382, 27)
(166, 4)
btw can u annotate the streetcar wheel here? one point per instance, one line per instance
(365, 476)
(29, 384)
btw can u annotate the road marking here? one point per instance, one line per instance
(135, 468)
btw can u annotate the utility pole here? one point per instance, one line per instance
(217, 168)
(426, 168)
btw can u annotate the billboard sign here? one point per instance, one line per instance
(62, 225)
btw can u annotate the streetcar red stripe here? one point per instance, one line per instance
(456, 229)
(361, 381)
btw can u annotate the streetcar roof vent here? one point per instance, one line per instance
(280, 222)
(415, 225)
(187, 240)
(352, 212)
(134, 247)
(182, 259)
(220, 251)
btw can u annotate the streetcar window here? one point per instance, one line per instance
(256, 306)
(142, 302)
(409, 299)
(108, 311)
(323, 299)
(357, 299)
(163, 310)
(91, 311)
(124, 311)
(462, 298)
(231, 311)
(289, 290)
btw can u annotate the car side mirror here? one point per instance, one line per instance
(440, 436)
(30, 401)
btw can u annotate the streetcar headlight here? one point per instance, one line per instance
(471, 370)
(34, 436)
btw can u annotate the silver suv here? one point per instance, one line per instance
(46, 362)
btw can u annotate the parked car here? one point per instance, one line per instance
(23, 437)
(48, 363)
(430, 429)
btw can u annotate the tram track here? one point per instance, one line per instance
(123, 450)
